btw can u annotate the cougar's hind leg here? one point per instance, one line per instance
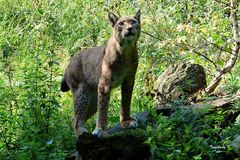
(81, 99)
(92, 107)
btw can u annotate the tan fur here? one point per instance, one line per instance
(94, 72)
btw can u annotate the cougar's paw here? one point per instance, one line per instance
(99, 132)
(132, 123)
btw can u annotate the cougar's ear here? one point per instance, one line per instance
(138, 15)
(112, 18)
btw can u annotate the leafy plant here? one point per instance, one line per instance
(188, 134)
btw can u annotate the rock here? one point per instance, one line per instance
(178, 80)
(236, 144)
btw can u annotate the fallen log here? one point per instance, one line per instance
(121, 144)
(225, 103)
(124, 145)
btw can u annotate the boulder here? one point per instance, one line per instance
(180, 80)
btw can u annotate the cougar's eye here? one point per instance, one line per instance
(120, 23)
(134, 22)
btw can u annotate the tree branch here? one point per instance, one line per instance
(235, 50)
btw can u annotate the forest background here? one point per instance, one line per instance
(38, 38)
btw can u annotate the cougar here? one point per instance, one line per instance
(93, 73)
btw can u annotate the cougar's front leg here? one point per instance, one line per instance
(102, 110)
(127, 89)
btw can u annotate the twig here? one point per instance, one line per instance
(203, 56)
(226, 4)
(156, 22)
(149, 34)
(214, 44)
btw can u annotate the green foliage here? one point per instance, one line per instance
(39, 37)
(189, 134)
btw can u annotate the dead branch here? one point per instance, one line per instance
(235, 50)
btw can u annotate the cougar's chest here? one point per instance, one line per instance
(121, 67)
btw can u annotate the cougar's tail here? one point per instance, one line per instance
(64, 85)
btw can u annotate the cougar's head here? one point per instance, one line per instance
(126, 28)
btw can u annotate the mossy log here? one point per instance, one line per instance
(124, 145)
(121, 144)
